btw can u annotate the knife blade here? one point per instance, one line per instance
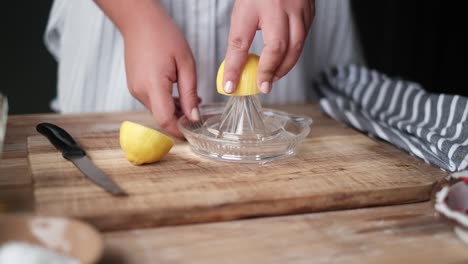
(73, 152)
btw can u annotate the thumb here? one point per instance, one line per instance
(241, 34)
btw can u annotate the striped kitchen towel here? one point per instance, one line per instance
(432, 127)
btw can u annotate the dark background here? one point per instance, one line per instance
(418, 40)
(424, 41)
(28, 70)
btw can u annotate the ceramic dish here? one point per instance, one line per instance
(68, 237)
(451, 203)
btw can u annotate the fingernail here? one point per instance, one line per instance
(195, 114)
(229, 87)
(265, 87)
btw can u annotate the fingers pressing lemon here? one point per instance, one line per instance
(142, 144)
(248, 80)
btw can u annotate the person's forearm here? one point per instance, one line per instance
(131, 16)
(156, 55)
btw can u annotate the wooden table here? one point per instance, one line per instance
(405, 233)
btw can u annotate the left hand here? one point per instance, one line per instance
(284, 24)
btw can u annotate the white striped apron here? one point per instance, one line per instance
(91, 71)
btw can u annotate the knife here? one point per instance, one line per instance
(72, 151)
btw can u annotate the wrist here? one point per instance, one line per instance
(131, 17)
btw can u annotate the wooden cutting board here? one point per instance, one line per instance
(335, 168)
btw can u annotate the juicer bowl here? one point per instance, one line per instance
(286, 133)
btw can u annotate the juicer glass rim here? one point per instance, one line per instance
(217, 108)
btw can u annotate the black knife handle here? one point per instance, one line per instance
(61, 140)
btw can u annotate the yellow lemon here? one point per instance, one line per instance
(142, 144)
(248, 80)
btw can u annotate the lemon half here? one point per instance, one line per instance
(248, 80)
(142, 144)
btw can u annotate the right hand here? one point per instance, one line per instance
(284, 24)
(156, 56)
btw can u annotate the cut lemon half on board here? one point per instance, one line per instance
(248, 80)
(142, 144)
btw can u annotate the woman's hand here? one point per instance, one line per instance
(284, 24)
(156, 56)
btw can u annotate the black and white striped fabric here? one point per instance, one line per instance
(432, 127)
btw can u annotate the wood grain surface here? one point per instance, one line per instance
(385, 235)
(16, 188)
(390, 234)
(335, 168)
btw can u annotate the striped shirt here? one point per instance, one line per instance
(90, 52)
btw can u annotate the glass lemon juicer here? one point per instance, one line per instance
(241, 130)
